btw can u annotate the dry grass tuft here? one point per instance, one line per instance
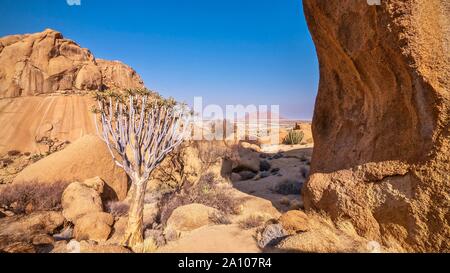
(28, 197)
(117, 208)
(253, 221)
(220, 218)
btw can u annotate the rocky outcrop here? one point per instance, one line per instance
(189, 217)
(294, 221)
(93, 227)
(381, 122)
(24, 234)
(30, 124)
(46, 62)
(85, 158)
(79, 200)
(116, 75)
(87, 247)
(191, 161)
(83, 207)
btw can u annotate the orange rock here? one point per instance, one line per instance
(294, 221)
(45, 62)
(381, 122)
(84, 159)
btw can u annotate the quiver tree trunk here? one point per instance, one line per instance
(134, 231)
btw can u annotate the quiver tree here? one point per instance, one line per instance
(140, 129)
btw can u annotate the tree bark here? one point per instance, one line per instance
(134, 231)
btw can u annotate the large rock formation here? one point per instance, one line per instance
(83, 159)
(34, 69)
(45, 62)
(27, 121)
(116, 75)
(381, 123)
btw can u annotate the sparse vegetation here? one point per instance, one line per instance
(207, 192)
(252, 221)
(28, 197)
(6, 162)
(220, 218)
(14, 153)
(156, 235)
(36, 157)
(288, 186)
(117, 208)
(294, 137)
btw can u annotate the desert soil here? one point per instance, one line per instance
(259, 199)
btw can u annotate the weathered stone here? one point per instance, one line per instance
(189, 217)
(95, 183)
(271, 235)
(17, 233)
(94, 226)
(381, 123)
(294, 221)
(85, 158)
(116, 75)
(19, 247)
(43, 239)
(45, 62)
(79, 200)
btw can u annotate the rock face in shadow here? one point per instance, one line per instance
(381, 122)
(45, 62)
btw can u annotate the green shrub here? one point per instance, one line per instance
(294, 137)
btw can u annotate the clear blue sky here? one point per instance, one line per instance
(228, 51)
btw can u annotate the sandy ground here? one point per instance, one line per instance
(258, 199)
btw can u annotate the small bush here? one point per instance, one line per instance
(294, 137)
(156, 235)
(32, 196)
(288, 187)
(14, 153)
(6, 162)
(117, 208)
(220, 218)
(253, 221)
(36, 157)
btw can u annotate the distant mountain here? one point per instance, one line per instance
(255, 116)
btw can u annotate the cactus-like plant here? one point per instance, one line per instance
(294, 137)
